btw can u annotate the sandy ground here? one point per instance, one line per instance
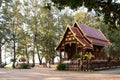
(51, 74)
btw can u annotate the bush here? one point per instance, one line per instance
(61, 66)
(3, 65)
(24, 66)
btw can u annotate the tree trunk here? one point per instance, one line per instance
(0, 55)
(38, 53)
(33, 60)
(53, 60)
(39, 58)
(35, 44)
(48, 64)
(33, 57)
(40, 61)
(27, 56)
(14, 59)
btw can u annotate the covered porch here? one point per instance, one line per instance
(73, 51)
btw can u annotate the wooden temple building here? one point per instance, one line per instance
(81, 39)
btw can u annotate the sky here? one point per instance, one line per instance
(118, 1)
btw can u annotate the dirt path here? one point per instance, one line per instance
(49, 74)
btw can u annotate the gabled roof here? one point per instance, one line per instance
(86, 36)
(77, 35)
(95, 36)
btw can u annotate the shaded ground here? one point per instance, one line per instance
(50, 74)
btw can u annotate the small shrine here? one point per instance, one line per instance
(81, 47)
(81, 39)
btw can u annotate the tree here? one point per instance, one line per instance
(15, 22)
(109, 8)
(4, 28)
(48, 34)
(32, 14)
(4, 32)
(89, 18)
(114, 49)
(23, 45)
(64, 21)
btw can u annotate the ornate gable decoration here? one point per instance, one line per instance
(83, 35)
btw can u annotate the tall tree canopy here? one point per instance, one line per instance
(109, 8)
(4, 28)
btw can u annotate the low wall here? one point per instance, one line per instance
(87, 65)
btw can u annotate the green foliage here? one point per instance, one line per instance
(64, 21)
(3, 65)
(24, 66)
(86, 18)
(4, 28)
(73, 4)
(47, 37)
(76, 56)
(61, 66)
(13, 60)
(110, 9)
(114, 49)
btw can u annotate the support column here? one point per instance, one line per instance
(64, 50)
(83, 52)
(60, 55)
(100, 48)
(76, 47)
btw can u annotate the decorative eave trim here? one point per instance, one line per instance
(76, 37)
(62, 38)
(98, 44)
(88, 47)
(68, 27)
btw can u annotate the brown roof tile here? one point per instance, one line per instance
(99, 42)
(92, 32)
(95, 35)
(81, 37)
